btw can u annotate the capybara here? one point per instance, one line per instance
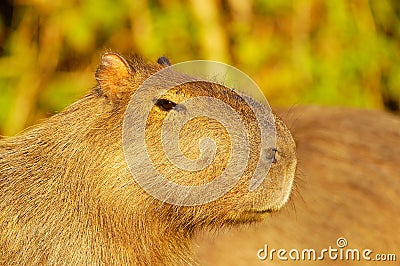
(68, 197)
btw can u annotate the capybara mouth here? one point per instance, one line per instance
(262, 211)
(253, 215)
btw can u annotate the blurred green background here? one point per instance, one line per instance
(339, 52)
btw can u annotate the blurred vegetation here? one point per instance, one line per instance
(341, 52)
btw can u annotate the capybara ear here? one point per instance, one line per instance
(163, 61)
(113, 75)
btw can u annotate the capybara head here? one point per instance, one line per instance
(118, 81)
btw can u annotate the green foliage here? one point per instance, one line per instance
(343, 52)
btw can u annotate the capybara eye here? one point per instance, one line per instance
(166, 105)
(271, 155)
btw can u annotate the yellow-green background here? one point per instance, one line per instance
(336, 52)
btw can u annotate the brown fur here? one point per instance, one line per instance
(68, 198)
(349, 161)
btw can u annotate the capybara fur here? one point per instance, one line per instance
(349, 166)
(67, 196)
